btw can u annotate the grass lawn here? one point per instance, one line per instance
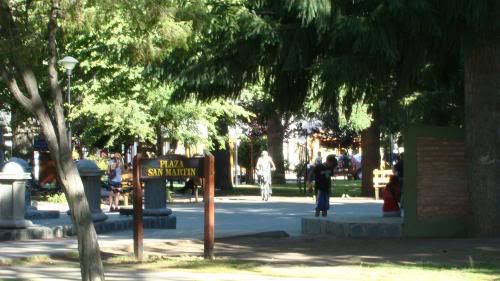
(350, 187)
(382, 272)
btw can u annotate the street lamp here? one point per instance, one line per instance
(308, 127)
(69, 64)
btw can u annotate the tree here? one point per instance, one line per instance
(385, 48)
(482, 99)
(115, 43)
(244, 43)
(120, 99)
(20, 39)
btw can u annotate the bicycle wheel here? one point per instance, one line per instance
(262, 190)
(267, 193)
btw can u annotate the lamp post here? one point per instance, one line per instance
(308, 127)
(69, 64)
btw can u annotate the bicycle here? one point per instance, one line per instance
(265, 187)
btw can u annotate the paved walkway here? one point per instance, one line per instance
(234, 216)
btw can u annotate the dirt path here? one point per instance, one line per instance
(332, 252)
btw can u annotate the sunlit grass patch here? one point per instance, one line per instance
(361, 271)
(31, 260)
(340, 187)
(189, 263)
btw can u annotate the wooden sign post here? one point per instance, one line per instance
(175, 167)
(137, 201)
(208, 199)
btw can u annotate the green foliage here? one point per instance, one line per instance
(101, 162)
(244, 150)
(118, 101)
(138, 57)
(245, 43)
(57, 198)
(113, 119)
(190, 121)
(114, 47)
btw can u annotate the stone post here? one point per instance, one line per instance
(91, 178)
(13, 179)
(155, 198)
(27, 195)
(31, 212)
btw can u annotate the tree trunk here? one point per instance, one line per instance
(23, 134)
(67, 173)
(370, 144)
(53, 124)
(482, 127)
(275, 137)
(222, 161)
(173, 146)
(159, 141)
(250, 172)
(88, 246)
(2, 142)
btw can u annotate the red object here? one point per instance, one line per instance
(392, 195)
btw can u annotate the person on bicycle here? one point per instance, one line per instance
(264, 167)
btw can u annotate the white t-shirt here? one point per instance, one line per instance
(264, 166)
(118, 171)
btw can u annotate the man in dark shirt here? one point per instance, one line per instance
(323, 174)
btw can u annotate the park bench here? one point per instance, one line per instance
(380, 180)
(127, 187)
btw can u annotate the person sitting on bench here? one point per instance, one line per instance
(392, 196)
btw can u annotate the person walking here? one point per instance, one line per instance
(323, 174)
(310, 174)
(115, 181)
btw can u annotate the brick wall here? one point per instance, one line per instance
(441, 179)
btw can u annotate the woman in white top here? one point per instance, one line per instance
(115, 181)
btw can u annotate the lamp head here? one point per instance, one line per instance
(68, 63)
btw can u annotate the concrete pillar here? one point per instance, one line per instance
(91, 178)
(13, 179)
(155, 198)
(31, 212)
(27, 194)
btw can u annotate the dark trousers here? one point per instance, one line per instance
(322, 200)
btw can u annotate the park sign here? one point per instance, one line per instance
(174, 167)
(171, 166)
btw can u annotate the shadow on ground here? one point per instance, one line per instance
(300, 251)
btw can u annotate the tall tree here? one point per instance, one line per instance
(398, 42)
(244, 43)
(20, 39)
(482, 115)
